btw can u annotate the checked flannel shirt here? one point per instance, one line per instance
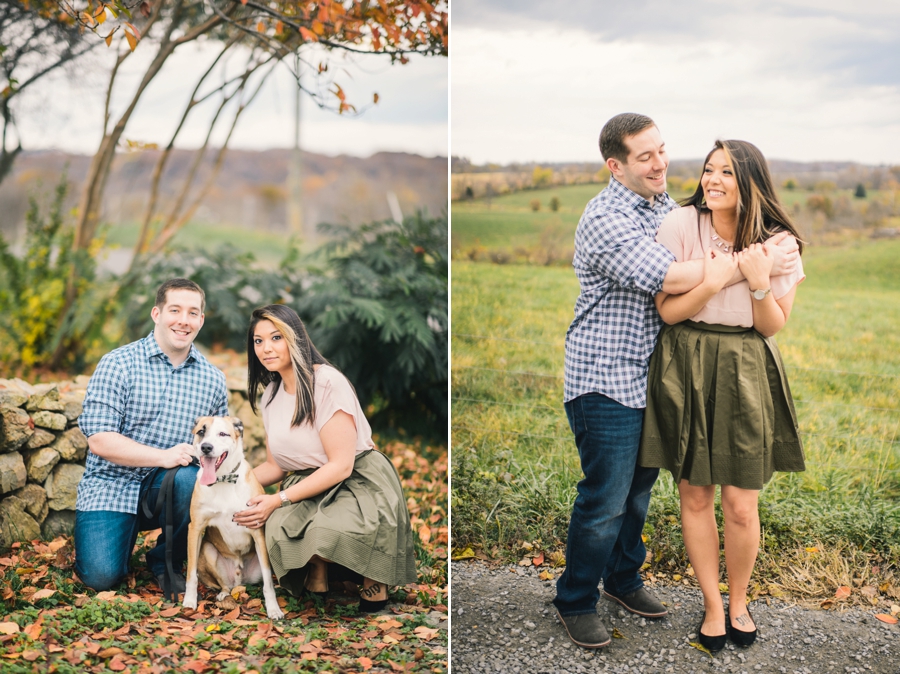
(620, 268)
(135, 391)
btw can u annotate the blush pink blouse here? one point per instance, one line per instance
(688, 240)
(299, 447)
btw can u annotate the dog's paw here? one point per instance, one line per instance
(274, 612)
(190, 600)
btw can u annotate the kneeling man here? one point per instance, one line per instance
(139, 413)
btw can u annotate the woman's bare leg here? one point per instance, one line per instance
(701, 538)
(741, 509)
(317, 576)
(373, 590)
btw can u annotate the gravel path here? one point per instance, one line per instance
(504, 621)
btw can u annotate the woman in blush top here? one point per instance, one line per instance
(341, 507)
(719, 409)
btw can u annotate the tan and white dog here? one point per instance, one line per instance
(220, 552)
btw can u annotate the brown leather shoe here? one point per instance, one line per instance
(585, 630)
(639, 602)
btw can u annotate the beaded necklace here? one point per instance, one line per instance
(720, 243)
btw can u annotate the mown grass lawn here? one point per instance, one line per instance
(50, 622)
(515, 465)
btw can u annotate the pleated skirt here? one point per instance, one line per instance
(719, 408)
(360, 525)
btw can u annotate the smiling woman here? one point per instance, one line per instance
(340, 514)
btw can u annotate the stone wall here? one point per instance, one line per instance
(42, 452)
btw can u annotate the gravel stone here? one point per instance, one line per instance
(491, 634)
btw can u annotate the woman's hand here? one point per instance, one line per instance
(718, 268)
(259, 508)
(756, 262)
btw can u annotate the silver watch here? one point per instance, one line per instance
(285, 501)
(760, 294)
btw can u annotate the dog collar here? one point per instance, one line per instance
(231, 477)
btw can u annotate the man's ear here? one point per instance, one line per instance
(154, 313)
(614, 166)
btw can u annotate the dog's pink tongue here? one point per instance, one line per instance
(207, 470)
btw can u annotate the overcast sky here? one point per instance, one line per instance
(65, 111)
(807, 80)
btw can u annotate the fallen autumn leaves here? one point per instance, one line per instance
(52, 623)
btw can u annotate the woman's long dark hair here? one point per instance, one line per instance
(760, 213)
(304, 356)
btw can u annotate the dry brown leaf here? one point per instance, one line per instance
(842, 592)
(425, 633)
(889, 619)
(41, 594)
(9, 628)
(109, 652)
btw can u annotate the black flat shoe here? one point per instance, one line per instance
(366, 606)
(712, 644)
(740, 637)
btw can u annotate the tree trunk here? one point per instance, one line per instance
(92, 195)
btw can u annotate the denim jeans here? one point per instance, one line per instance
(104, 539)
(610, 508)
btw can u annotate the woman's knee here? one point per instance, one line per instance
(697, 500)
(740, 507)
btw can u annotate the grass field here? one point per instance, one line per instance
(508, 223)
(515, 465)
(267, 247)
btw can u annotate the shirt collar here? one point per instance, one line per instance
(632, 199)
(153, 350)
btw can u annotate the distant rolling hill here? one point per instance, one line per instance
(251, 191)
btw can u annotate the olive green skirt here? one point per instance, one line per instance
(361, 525)
(719, 408)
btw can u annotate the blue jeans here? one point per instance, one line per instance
(611, 507)
(104, 539)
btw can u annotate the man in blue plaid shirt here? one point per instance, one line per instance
(620, 267)
(139, 413)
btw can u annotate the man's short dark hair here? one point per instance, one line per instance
(617, 129)
(179, 284)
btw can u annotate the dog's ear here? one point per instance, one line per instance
(200, 425)
(238, 426)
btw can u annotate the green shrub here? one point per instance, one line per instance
(377, 308)
(36, 329)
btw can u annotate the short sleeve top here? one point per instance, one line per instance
(300, 447)
(688, 240)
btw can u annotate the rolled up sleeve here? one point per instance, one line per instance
(105, 400)
(618, 248)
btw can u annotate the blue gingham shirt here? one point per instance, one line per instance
(620, 268)
(135, 391)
